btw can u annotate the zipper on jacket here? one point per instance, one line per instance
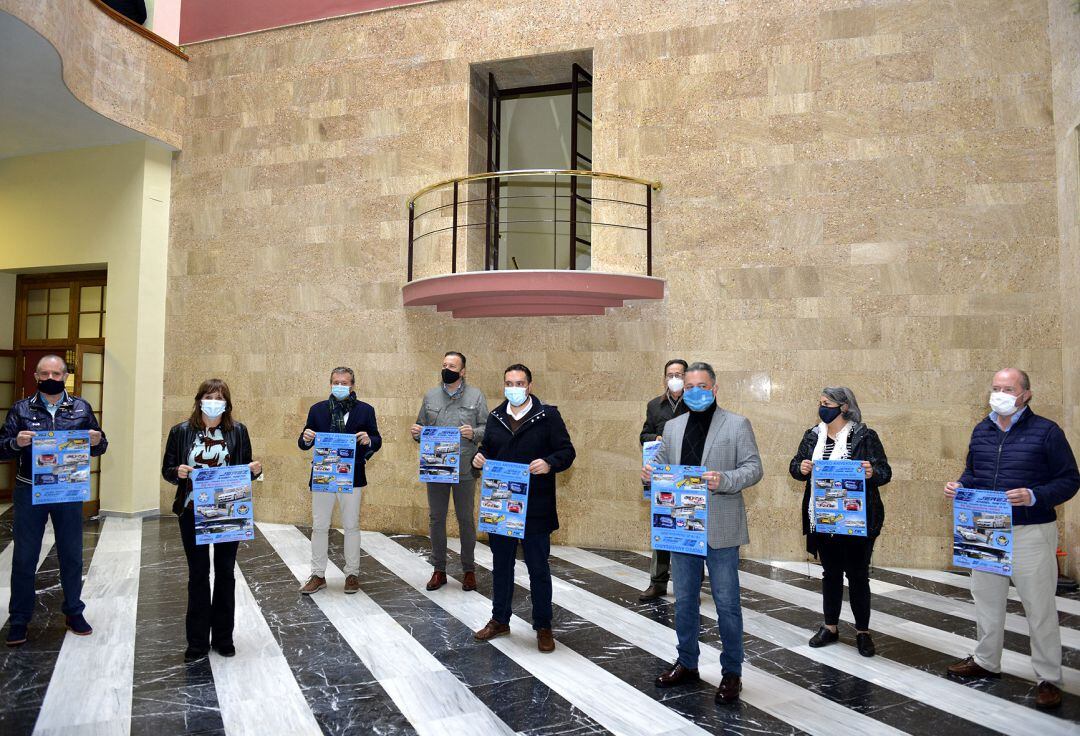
(997, 463)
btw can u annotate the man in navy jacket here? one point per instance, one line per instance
(1029, 458)
(523, 429)
(342, 413)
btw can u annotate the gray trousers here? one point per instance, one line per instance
(660, 567)
(438, 495)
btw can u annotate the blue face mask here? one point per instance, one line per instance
(340, 392)
(516, 395)
(698, 398)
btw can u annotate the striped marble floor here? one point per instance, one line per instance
(397, 659)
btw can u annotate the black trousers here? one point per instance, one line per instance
(208, 614)
(842, 555)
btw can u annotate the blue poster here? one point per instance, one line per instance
(222, 499)
(61, 466)
(648, 452)
(504, 498)
(839, 497)
(982, 531)
(440, 454)
(680, 509)
(332, 462)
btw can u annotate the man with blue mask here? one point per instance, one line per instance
(724, 443)
(524, 430)
(342, 413)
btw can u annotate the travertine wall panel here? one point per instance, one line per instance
(855, 193)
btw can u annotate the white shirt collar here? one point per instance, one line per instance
(518, 412)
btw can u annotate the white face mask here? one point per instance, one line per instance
(1003, 404)
(675, 385)
(213, 408)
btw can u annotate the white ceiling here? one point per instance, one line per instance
(38, 113)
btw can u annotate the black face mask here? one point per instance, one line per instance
(51, 387)
(829, 413)
(449, 376)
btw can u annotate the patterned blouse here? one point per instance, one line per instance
(209, 451)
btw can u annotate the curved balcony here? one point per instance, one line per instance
(532, 242)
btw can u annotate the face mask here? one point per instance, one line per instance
(1003, 403)
(516, 395)
(675, 385)
(449, 376)
(213, 408)
(829, 413)
(340, 392)
(51, 387)
(698, 398)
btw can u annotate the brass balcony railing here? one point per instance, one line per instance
(532, 204)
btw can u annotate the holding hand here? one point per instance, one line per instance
(867, 468)
(255, 467)
(478, 461)
(806, 467)
(309, 436)
(1019, 496)
(24, 438)
(646, 474)
(950, 489)
(95, 438)
(466, 431)
(363, 439)
(183, 471)
(539, 467)
(712, 478)
(415, 431)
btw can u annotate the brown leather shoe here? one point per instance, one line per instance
(545, 640)
(969, 669)
(438, 579)
(1048, 696)
(677, 675)
(468, 581)
(730, 687)
(653, 593)
(313, 585)
(352, 585)
(491, 629)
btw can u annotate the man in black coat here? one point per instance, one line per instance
(659, 410)
(523, 429)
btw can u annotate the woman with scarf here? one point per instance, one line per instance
(841, 435)
(209, 438)
(342, 413)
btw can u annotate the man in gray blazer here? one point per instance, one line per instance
(724, 443)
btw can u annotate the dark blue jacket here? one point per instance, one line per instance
(1033, 454)
(542, 435)
(31, 414)
(361, 419)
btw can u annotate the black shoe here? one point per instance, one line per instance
(225, 650)
(16, 635)
(728, 692)
(823, 637)
(193, 654)
(677, 675)
(865, 645)
(653, 593)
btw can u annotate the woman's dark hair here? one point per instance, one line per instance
(212, 386)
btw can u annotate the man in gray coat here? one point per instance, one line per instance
(454, 404)
(724, 443)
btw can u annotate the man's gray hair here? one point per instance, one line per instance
(699, 366)
(343, 369)
(52, 357)
(843, 395)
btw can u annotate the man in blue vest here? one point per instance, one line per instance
(1028, 457)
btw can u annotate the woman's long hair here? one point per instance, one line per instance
(210, 386)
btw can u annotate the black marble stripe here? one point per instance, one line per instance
(1009, 687)
(632, 665)
(342, 693)
(522, 701)
(7, 520)
(168, 695)
(25, 671)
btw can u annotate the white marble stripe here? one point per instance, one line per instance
(611, 702)
(961, 609)
(428, 695)
(1065, 605)
(90, 689)
(946, 642)
(258, 681)
(964, 702)
(5, 568)
(4, 507)
(777, 697)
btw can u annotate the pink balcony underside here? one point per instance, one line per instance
(530, 293)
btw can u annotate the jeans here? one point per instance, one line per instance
(438, 497)
(842, 555)
(322, 509)
(29, 528)
(206, 614)
(688, 572)
(537, 547)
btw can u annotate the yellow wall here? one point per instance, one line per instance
(93, 207)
